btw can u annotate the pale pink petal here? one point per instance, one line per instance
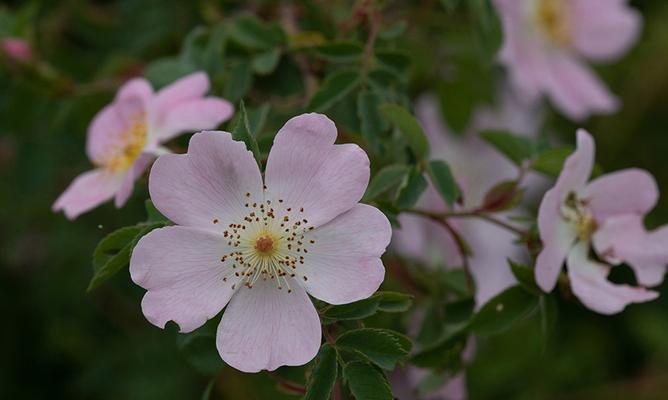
(558, 238)
(589, 282)
(87, 191)
(630, 191)
(577, 167)
(194, 115)
(575, 90)
(108, 129)
(306, 169)
(625, 239)
(136, 170)
(264, 328)
(190, 87)
(208, 184)
(343, 264)
(182, 270)
(604, 29)
(492, 247)
(16, 49)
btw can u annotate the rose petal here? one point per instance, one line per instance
(265, 328)
(194, 115)
(343, 265)
(136, 170)
(306, 169)
(604, 30)
(630, 191)
(87, 191)
(624, 239)
(182, 270)
(207, 184)
(189, 87)
(557, 237)
(590, 284)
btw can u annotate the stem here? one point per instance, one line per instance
(471, 214)
(463, 249)
(287, 384)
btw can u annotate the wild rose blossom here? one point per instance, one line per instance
(258, 246)
(16, 49)
(607, 213)
(547, 43)
(126, 136)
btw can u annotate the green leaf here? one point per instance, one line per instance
(501, 312)
(335, 87)
(113, 252)
(525, 276)
(443, 180)
(383, 347)
(408, 126)
(393, 302)
(164, 71)
(446, 352)
(238, 80)
(342, 51)
(380, 301)
(366, 382)
(395, 61)
(503, 196)
(372, 124)
(243, 132)
(265, 63)
(551, 162)
(411, 189)
(516, 148)
(252, 33)
(323, 376)
(393, 31)
(387, 178)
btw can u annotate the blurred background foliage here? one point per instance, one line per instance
(60, 342)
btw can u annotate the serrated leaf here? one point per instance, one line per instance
(383, 347)
(501, 312)
(334, 88)
(242, 132)
(366, 382)
(516, 148)
(341, 51)
(387, 178)
(411, 189)
(323, 376)
(351, 311)
(113, 252)
(265, 63)
(371, 122)
(238, 80)
(443, 180)
(393, 302)
(551, 162)
(253, 33)
(395, 61)
(444, 353)
(408, 126)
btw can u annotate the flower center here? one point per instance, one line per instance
(552, 17)
(269, 243)
(121, 155)
(577, 212)
(264, 244)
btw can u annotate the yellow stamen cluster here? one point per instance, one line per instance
(268, 243)
(121, 155)
(552, 17)
(578, 213)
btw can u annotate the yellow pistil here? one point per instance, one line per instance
(552, 17)
(131, 143)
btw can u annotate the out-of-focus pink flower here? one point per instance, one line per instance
(258, 247)
(608, 213)
(16, 50)
(548, 42)
(126, 135)
(477, 167)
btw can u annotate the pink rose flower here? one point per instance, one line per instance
(258, 246)
(16, 49)
(608, 213)
(126, 136)
(547, 43)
